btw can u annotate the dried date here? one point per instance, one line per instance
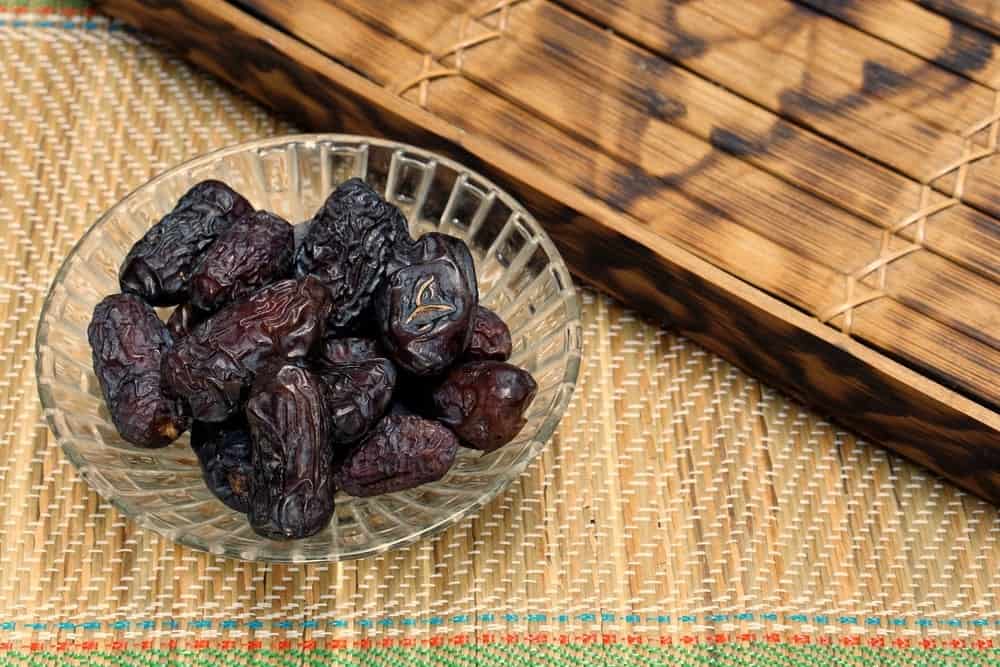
(224, 452)
(217, 193)
(159, 266)
(128, 341)
(347, 247)
(347, 350)
(357, 395)
(436, 246)
(292, 490)
(490, 337)
(255, 251)
(401, 452)
(184, 318)
(214, 365)
(424, 310)
(484, 402)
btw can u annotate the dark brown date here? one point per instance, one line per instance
(435, 246)
(184, 318)
(401, 452)
(214, 365)
(128, 341)
(217, 193)
(224, 452)
(255, 251)
(484, 402)
(159, 265)
(291, 495)
(490, 337)
(347, 246)
(357, 395)
(424, 310)
(347, 350)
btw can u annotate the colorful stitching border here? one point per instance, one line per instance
(867, 620)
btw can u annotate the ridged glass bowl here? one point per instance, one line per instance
(521, 276)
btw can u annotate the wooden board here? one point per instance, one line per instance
(715, 209)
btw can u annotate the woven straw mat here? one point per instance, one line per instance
(680, 498)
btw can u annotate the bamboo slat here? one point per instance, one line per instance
(802, 91)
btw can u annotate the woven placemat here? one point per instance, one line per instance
(683, 513)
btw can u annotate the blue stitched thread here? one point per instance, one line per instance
(202, 624)
(716, 618)
(745, 616)
(66, 625)
(435, 620)
(461, 618)
(587, 618)
(798, 618)
(979, 622)
(364, 623)
(536, 618)
(769, 617)
(689, 619)
(510, 618)
(607, 618)
(411, 622)
(306, 625)
(662, 619)
(898, 621)
(284, 625)
(848, 620)
(255, 625)
(563, 618)
(91, 625)
(873, 620)
(925, 622)
(228, 625)
(821, 619)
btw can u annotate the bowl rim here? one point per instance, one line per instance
(564, 392)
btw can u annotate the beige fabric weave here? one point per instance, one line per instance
(676, 483)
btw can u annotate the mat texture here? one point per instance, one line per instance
(683, 514)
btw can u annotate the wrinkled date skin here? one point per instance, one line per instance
(214, 365)
(357, 395)
(292, 490)
(217, 193)
(257, 250)
(183, 320)
(224, 452)
(128, 341)
(347, 246)
(401, 452)
(424, 311)
(484, 402)
(490, 337)
(159, 266)
(347, 350)
(435, 246)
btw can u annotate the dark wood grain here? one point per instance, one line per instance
(864, 390)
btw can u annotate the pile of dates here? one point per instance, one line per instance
(357, 361)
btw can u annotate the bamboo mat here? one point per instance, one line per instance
(683, 514)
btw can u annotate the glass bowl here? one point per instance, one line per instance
(521, 276)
